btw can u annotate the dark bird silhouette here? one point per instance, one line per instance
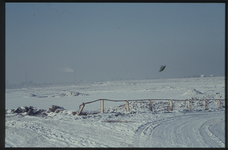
(162, 68)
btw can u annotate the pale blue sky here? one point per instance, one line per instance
(52, 42)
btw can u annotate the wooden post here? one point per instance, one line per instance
(188, 104)
(127, 106)
(150, 105)
(218, 103)
(204, 104)
(80, 108)
(171, 105)
(102, 106)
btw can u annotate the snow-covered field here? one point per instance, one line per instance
(37, 124)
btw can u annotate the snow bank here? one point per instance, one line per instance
(192, 92)
(31, 95)
(62, 94)
(136, 107)
(164, 106)
(69, 94)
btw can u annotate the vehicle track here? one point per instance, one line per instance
(183, 131)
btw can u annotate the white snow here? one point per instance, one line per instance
(192, 91)
(50, 126)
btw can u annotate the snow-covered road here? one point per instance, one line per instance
(193, 130)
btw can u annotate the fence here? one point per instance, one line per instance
(149, 103)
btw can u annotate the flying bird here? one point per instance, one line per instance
(162, 68)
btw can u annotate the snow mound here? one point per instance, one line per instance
(192, 92)
(70, 94)
(73, 94)
(63, 94)
(55, 108)
(31, 95)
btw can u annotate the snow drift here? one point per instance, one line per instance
(47, 114)
(192, 92)
(62, 94)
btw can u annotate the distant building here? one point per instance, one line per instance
(202, 75)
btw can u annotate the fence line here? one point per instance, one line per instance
(150, 103)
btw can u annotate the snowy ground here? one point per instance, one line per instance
(42, 126)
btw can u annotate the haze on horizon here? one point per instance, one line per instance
(67, 42)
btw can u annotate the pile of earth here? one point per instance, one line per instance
(32, 111)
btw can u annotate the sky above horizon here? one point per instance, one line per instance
(67, 42)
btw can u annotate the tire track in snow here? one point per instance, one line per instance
(218, 129)
(184, 131)
(150, 126)
(205, 132)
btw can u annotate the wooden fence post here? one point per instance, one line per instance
(102, 106)
(188, 104)
(171, 105)
(150, 105)
(204, 104)
(80, 108)
(127, 106)
(218, 103)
